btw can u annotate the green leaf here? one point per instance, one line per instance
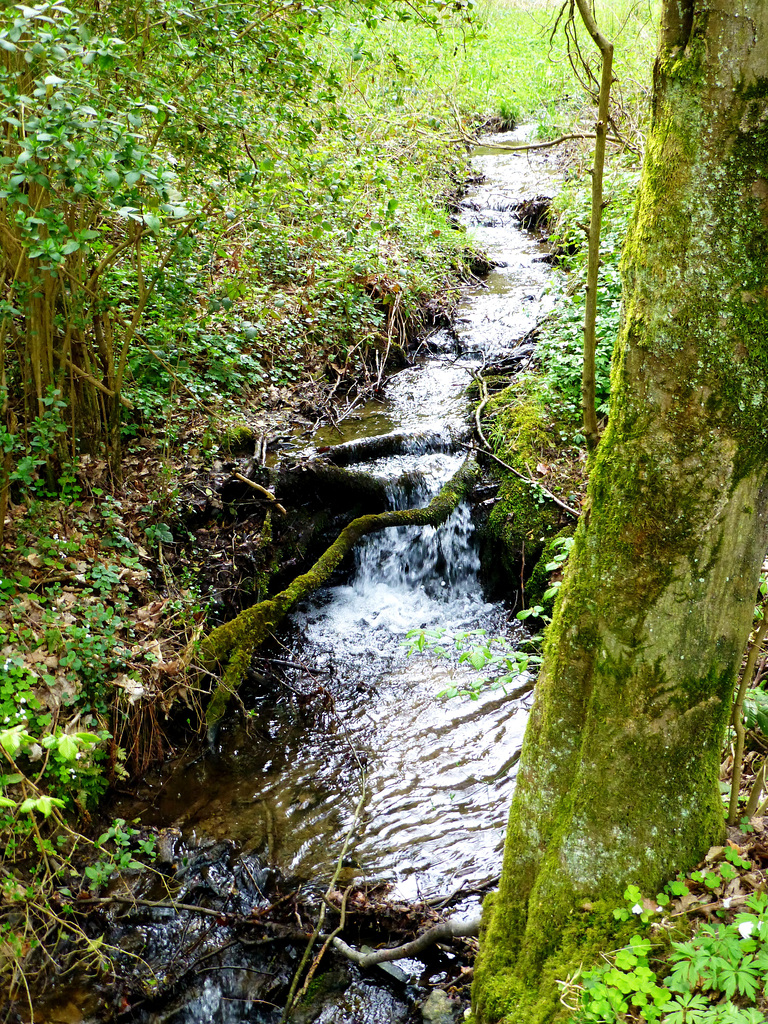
(477, 660)
(45, 804)
(68, 747)
(11, 739)
(678, 888)
(688, 1008)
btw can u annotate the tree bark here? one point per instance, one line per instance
(618, 775)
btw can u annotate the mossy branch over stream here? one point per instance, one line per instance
(231, 646)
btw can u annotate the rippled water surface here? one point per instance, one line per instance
(283, 784)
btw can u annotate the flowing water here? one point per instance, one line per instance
(438, 773)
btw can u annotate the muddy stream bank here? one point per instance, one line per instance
(268, 807)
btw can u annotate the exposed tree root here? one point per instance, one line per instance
(231, 646)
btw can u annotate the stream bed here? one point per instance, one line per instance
(354, 741)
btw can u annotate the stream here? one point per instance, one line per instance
(277, 795)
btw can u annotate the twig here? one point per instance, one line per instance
(285, 663)
(489, 451)
(292, 997)
(328, 940)
(94, 901)
(756, 792)
(738, 704)
(169, 369)
(618, 141)
(261, 490)
(533, 483)
(695, 908)
(96, 384)
(464, 891)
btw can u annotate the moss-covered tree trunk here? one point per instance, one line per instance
(618, 776)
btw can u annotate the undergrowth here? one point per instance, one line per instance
(716, 974)
(562, 341)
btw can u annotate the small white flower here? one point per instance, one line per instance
(746, 928)
(637, 909)
(727, 902)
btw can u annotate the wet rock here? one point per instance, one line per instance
(439, 1008)
(327, 989)
(167, 845)
(481, 266)
(533, 214)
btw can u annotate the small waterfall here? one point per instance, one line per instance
(408, 577)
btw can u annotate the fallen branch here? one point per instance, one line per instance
(132, 901)
(525, 147)
(439, 933)
(332, 485)
(231, 645)
(399, 442)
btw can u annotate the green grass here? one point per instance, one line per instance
(506, 62)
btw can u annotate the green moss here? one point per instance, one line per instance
(687, 66)
(237, 437)
(523, 519)
(520, 429)
(707, 311)
(518, 528)
(505, 994)
(540, 579)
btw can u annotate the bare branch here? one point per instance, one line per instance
(439, 933)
